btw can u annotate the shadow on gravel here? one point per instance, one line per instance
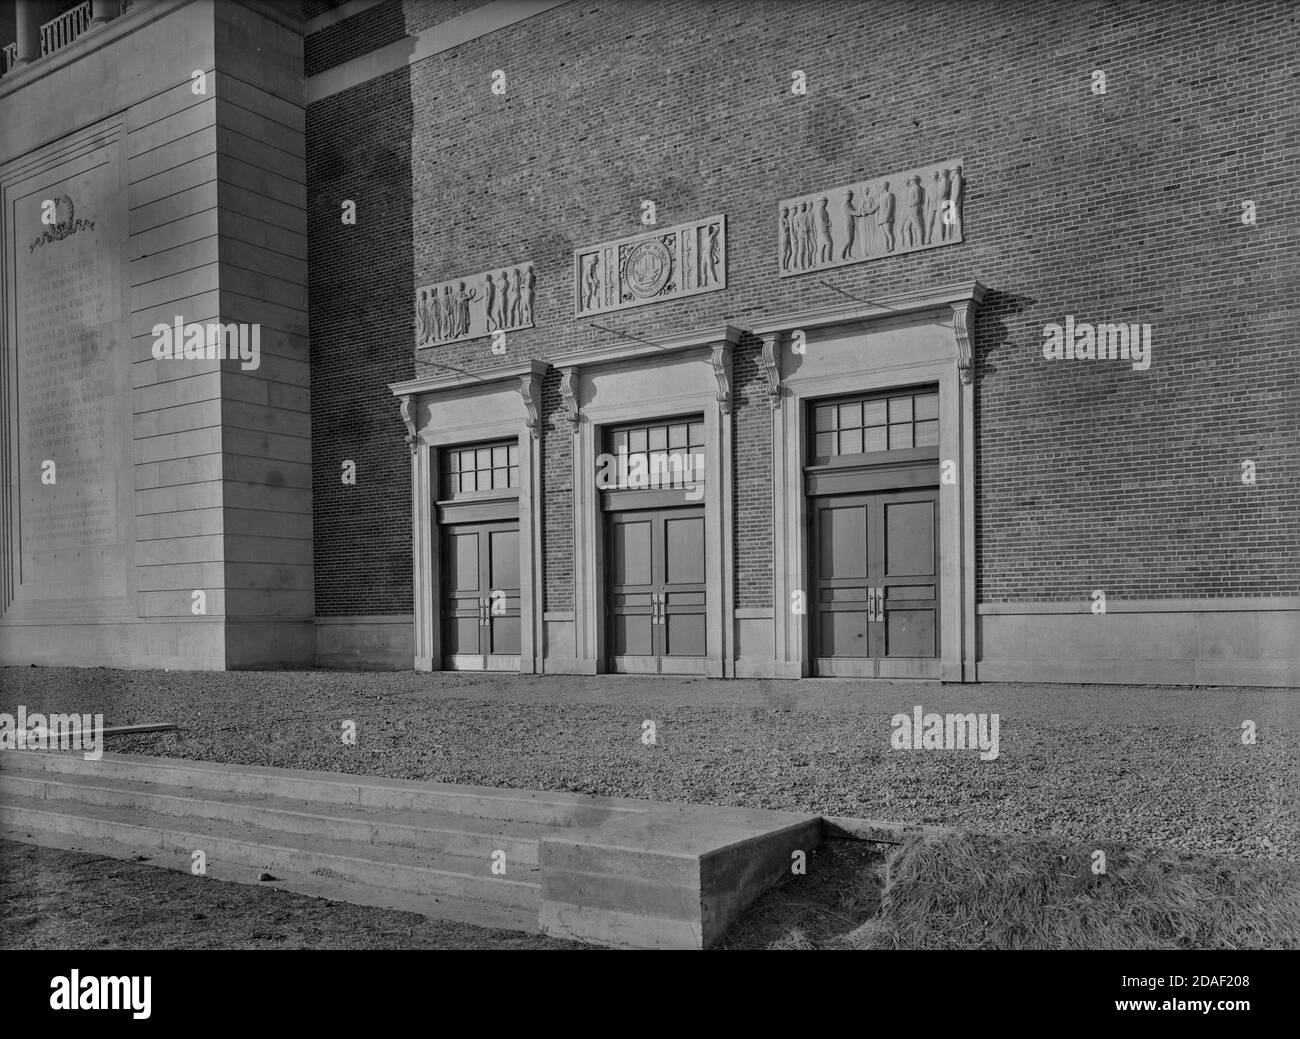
(840, 892)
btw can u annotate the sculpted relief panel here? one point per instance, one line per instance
(668, 263)
(902, 213)
(475, 306)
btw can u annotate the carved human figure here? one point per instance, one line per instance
(911, 230)
(885, 216)
(934, 200)
(825, 244)
(850, 226)
(514, 298)
(712, 257)
(463, 300)
(809, 234)
(590, 282)
(447, 313)
(450, 313)
(421, 317)
(869, 236)
(956, 190)
(433, 317)
(796, 237)
(503, 289)
(526, 299)
(785, 238)
(489, 302)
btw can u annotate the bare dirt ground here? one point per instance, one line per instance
(55, 899)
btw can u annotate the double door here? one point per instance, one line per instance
(481, 596)
(875, 597)
(657, 598)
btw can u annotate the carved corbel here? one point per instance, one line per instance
(531, 392)
(569, 394)
(963, 326)
(772, 368)
(721, 359)
(409, 411)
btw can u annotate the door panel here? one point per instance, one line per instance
(875, 602)
(504, 567)
(463, 598)
(909, 633)
(909, 582)
(481, 602)
(684, 554)
(844, 634)
(633, 634)
(909, 538)
(657, 601)
(463, 573)
(840, 590)
(503, 628)
(844, 541)
(633, 555)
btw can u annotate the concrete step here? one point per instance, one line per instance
(410, 870)
(373, 792)
(436, 831)
(621, 872)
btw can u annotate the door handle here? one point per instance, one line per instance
(483, 617)
(875, 609)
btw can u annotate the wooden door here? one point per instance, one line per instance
(874, 603)
(481, 620)
(657, 602)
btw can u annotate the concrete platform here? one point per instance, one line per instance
(612, 871)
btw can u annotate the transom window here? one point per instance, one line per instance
(672, 446)
(480, 467)
(881, 422)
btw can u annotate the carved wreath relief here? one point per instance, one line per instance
(475, 306)
(63, 228)
(683, 260)
(904, 212)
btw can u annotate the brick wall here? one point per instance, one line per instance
(353, 37)
(1122, 207)
(359, 289)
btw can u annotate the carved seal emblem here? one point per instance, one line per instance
(649, 265)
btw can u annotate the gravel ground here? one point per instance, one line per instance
(1145, 765)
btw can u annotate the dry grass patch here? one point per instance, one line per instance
(964, 891)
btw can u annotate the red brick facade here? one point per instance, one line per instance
(1117, 207)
